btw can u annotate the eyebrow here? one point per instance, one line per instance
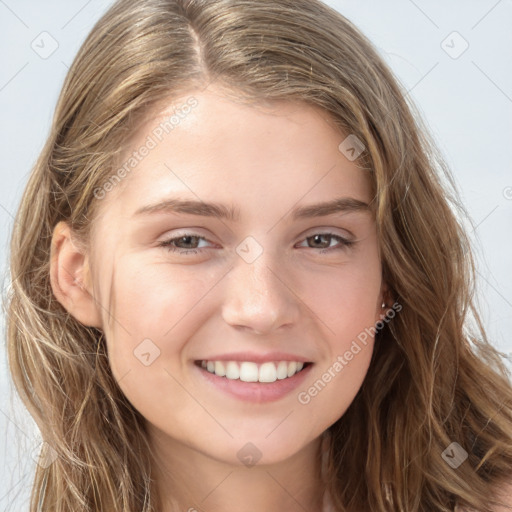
(232, 213)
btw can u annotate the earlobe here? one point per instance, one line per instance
(384, 303)
(69, 276)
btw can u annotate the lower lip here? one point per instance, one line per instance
(257, 392)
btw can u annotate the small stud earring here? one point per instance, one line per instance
(383, 305)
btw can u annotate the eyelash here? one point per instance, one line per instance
(345, 244)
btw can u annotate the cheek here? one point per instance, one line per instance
(349, 343)
(151, 299)
(344, 300)
(152, 313)
(336, 385)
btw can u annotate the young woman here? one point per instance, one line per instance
(239, 281)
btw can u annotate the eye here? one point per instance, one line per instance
(187, 240)
(325, 246)
(188, 243)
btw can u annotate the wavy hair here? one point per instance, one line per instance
(434, 378)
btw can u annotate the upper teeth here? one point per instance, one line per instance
(252, 372)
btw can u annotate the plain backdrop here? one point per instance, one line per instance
(454, 58)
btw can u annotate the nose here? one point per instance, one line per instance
(259, 298)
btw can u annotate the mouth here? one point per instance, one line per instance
(249, 371)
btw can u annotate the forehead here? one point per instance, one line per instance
(236, 152)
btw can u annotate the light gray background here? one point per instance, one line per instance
(466, 101)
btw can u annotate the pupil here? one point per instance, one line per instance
(318, 238)
(186, 239)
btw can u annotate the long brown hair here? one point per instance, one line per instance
(434, 378)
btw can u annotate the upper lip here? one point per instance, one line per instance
(257, 358)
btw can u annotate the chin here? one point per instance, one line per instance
(257, 450)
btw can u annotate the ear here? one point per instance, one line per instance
(69, 276)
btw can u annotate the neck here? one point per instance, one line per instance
(189, 480)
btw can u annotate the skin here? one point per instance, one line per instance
(293, 298)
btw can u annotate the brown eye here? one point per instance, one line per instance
(317, 240)
(184, 244)
(323, 241)
(186, 240)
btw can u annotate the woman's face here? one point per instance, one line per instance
(184, 282)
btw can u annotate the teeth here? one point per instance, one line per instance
(220, 369)
(268, 372)
(232, 370)
(292, 368)
(251, 372)
(282, 370)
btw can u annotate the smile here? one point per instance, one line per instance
(248, 371)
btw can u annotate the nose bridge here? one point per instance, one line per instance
(256, 296)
